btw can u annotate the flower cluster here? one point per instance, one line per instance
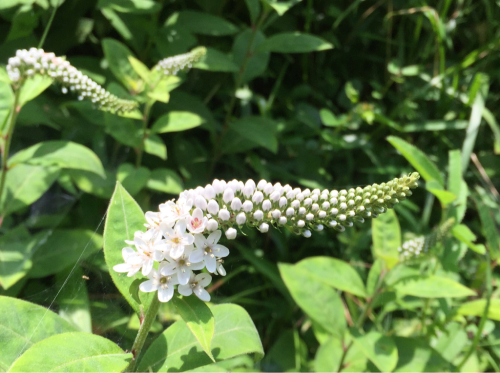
(183, 236)
(28, 63)
(172, 65)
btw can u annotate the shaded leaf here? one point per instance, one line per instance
(176, 121)
(294, 42)
(378, 348)
(166, 181)
(432, 287)
(386, 235)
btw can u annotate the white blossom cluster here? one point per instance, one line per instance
(183, 236)
(412, 248)
(172, 65)
(28, 63)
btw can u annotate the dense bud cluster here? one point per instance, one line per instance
(28, 63)
(172, 65)
(183, 236)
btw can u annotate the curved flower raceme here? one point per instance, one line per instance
(184, 235)
(28, 63)
(172, 65)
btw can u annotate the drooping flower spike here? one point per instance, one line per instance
(28, 63)
(172, 65)
(184, 235)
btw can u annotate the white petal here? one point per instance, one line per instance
(148, 286)
(127, 251)
(185, 290)
(168, 269)
(201, 293)
(164, 295)
(200, 241)
(133, 271)
(214, 237)
(221, 270)
(177, 251)
(147, 267)
(184, 276)
(122, 267)
(220, 251)
(203, 278)
(188, 239)
(196, 256)
(211, 263)
(180, 226)
(197, 266)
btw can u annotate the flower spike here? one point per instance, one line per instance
(172, 65)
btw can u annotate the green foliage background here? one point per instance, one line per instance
(336, 106)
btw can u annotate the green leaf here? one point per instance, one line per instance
(259, 130)
(125, 130)
(294, 42)
(62, 248)
(24, 185)
(161, 91)
(15, 255)
(378, 348)
(65, 154)
(245, 45)
(417, 159)
(432, 287)
(117, 55)
(130, 6)
(476, 308)
(33, 87)
(386, 235)
(166, 181)
(73, 352)
(23, 324)
(73, 299)
(334, 272)
(329, 356)
(442, 195)
(435, 125)
(317, 299)
(281, 7)
(205, 24)
(141, 69)
(6, 103)
(199, 320)
(378, 267)
(457, 185)
(92, 183)
(415, 355)
(132, 179)
(464, 234)
(154, 145)
(491, 232)
(123, 219)
(329, 119)
(216, 61)
(235, 335)
(176, 121)
(451, 341)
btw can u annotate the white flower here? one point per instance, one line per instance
(264, 227)
(236, 204)
(133, 262)
(212, 225)
(228, 195)
(231, 233)
(171, 212)
(258, 215)
(247, 206)
(196, 223)
(241, 218)
(162, 281)
(177, 239)
(207, 249)
(148, 245)
(213, 207)
(220, 269)
(182, 266)
(197, 286)
(224, 215)
(200, 202)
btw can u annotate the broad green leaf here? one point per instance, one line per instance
(495, 128)
(415, 355)
(73, 352)
(294, 42)
(132, 179)
(125, 130)
(464, 234)
(491, 232)
(65, 154)
(417, 159)
(318, 300)
(451, 341)
(386, 235)
(432, 287)
(63, 248)
(154, 145)
(476, 308)
(259, 130)
(24, 185)
(199, 320)
(141, 69)
(205, 24)
(216, 61)
(329, 119)
(6, 103)
(117, 55)
(254, 9)
(33, 87)
(161, 91)
(176, 121)
(457, 185)
(15, 255)
(23, 324)
(235, 335)
(130, 6)
(123, 219)
(435, 125)
(73, 299)
(256, 62)
(334, 272)
(166, 181)
(329, 356)
(376, 271)
(281, 7)
(378, 348)
(443, 196)
(92, 183)
(284, 353)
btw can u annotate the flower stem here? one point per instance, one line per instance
(5, 149)
(145, 119)
(47, 28)
(146, 323)
(484, 316)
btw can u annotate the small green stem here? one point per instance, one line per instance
(47, 28)
(6, 147)
(484, 316)
(143, 332)
(145, 119)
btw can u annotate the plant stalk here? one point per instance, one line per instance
(47, 28)
(146, 323)
(145, 120)
(5, 149)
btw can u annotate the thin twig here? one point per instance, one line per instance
(484, 175)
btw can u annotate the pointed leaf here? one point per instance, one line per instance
(33, 87)
(176, 121)
(432, 287)
(294, 42)
(386, 235)
(378, 348)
